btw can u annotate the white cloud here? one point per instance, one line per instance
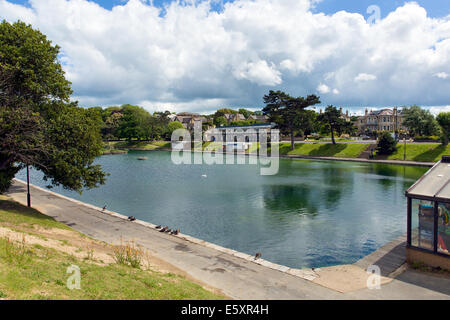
(190, 57)
(442, 75)
(323, 88)
(365, 77)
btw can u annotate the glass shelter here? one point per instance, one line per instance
(428, 219)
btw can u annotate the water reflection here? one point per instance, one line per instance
(312, 213)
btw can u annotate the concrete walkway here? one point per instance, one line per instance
(236, 277)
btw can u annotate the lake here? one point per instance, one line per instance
(311, 214)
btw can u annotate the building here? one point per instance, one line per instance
(238, 138)
(428, 217)
(189, 120)
(258, 118)
(380, 120)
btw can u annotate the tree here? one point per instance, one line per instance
(220, 121)
(443, 119)
(386, 144)
(246, 113)
(419, 122)
(39, 125)
(172, 127)
(287, 112)
(133, 123)
(331, 120)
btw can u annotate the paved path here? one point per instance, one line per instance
(236, 277)
(397, 162)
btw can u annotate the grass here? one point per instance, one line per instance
(13, 213)
(421, 152)
(344, 150)
(123, 146)
(34, 271)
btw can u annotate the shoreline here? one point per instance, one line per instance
(305, 157)
(282, 268)
(235, 274)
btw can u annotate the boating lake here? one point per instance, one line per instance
(311, 214)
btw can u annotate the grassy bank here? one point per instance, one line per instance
(116, 147)
(343, 150)
(420, 152)
(35, 252)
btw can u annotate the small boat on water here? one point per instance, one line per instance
(142, 158)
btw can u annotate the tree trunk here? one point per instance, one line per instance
(292, 140)
(332, 135)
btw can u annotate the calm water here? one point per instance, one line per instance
(312, 214)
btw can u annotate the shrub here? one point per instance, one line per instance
(386, 144)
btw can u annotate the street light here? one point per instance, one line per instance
(28, 188)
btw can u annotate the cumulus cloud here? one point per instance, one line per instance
(323, 88)
(187, 56)
(442, 75)
(365, 77)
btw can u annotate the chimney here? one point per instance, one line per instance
(395, 111)
(340, 110)
(367, 111)
(346, 113)
(320, 111)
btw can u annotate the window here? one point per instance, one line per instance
(443, 228)
(422, 224)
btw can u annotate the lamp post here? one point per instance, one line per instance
(28, 188)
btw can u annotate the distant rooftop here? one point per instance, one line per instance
(435, 183)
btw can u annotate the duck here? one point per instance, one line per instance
(131, 218)
(258, 255)
(164, 229)
(104, 208)
(158, 227)
(168, 230)
(175, 232)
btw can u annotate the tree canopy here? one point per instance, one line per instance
(443, 119)
(288, 112)
(39, 126)
(419, 122)
(332, 121)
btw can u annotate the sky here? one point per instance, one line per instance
(199, 55)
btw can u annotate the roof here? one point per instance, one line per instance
(435, 184)
(256, 126)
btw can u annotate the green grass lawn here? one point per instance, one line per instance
(32, 271)
(421, 152)
(121, 146)
(343, 150)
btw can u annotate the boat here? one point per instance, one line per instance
(142, 158)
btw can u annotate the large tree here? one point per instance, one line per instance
(332, 121)
(443, 119)
(39, 126)
(419, 122)
(288, 112)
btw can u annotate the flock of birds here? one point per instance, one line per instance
(167, 230)
(175, 232)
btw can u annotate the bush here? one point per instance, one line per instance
(386, 144)
(6, 177)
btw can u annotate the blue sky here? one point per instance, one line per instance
(435, 8)
(187, 59)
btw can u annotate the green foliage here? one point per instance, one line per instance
(38, 124)
(289, 113)
(331, 121)
(220, 121)
(419, 122)
(444, 122)
(246, 113)
(174, 126)
(386, 144)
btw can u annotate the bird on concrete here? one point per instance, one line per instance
(158, 227)
(104, 208)
(168, 230)
(164, 229)
(175, 232)
(131, 218)
(258, 255)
